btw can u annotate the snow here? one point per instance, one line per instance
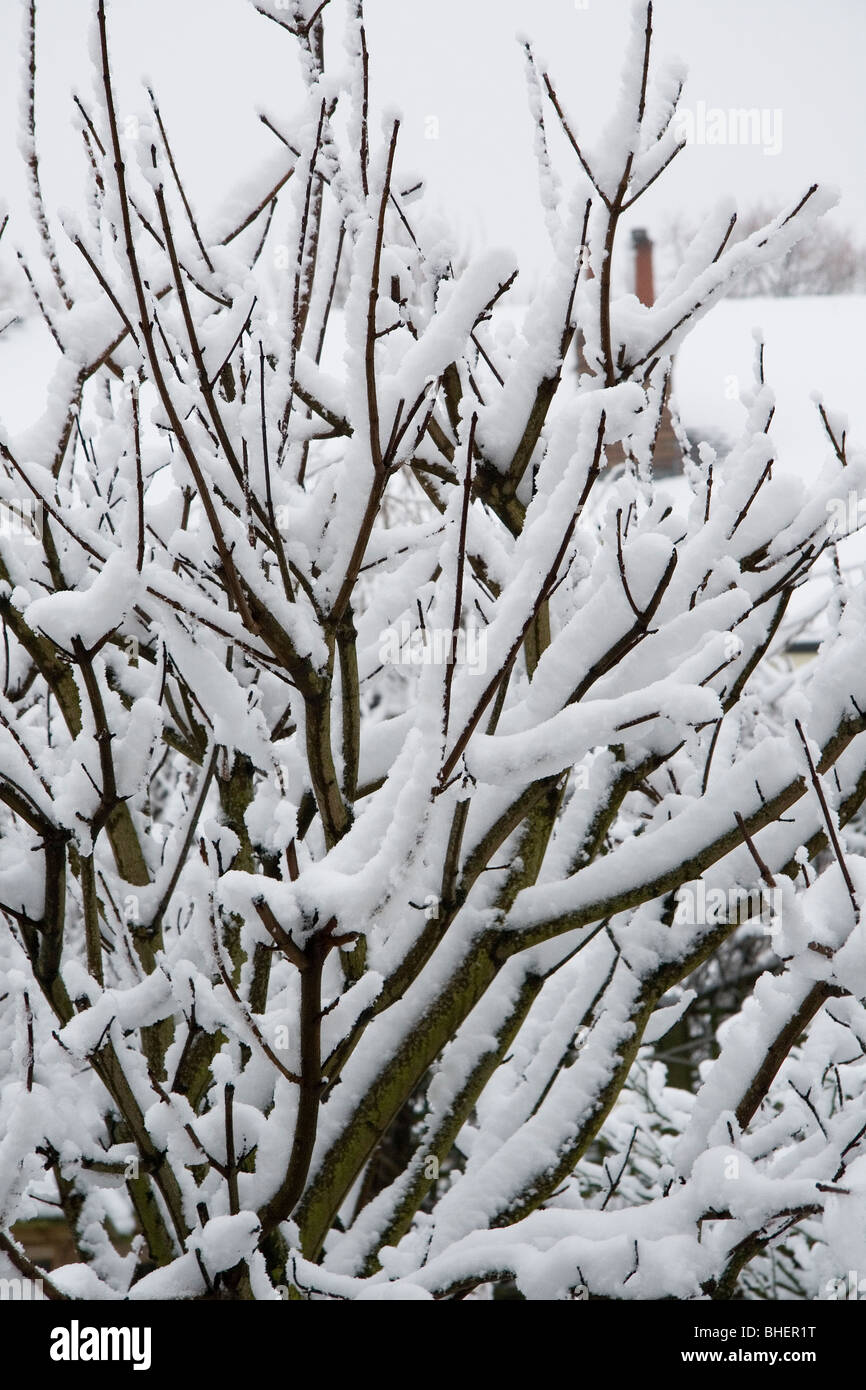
(812, 344)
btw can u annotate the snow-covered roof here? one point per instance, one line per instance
(812, 343)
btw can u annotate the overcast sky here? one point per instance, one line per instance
(215, 62)
(796, 57)
(456, 74)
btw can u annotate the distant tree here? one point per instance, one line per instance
(832, 261)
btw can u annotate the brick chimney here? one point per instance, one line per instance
(644, 287)
(667, 455)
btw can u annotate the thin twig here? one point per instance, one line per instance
(828, 820)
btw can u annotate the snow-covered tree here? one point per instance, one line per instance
(378, 767)
(833, 262)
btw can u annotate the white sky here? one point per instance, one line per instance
(215, 62)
